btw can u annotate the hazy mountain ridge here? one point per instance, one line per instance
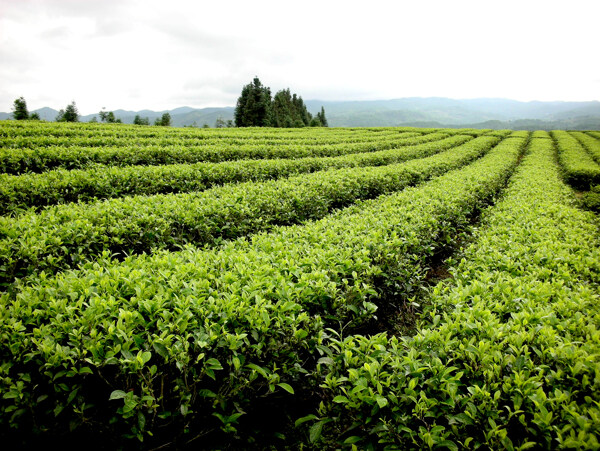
(446, 112)
(180, 117)
(415, 111)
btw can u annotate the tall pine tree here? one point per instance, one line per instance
(20, 112)
(253, 108)
(322, 118)
(283, 114)
(289, 110)
(69, 114)
(303, 115)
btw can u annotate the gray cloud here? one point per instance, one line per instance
(188, 35)
(60, 32)
(156, 54)
(111, 27)
(79, 8)
(107, 15)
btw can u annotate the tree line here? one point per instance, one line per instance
(71, 114)
(20, 112)
(256, 108)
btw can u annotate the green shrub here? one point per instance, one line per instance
(509, 357)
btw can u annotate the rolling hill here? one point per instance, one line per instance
(419, 112)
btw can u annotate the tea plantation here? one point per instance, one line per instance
(256, 288)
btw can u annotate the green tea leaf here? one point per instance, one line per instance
(286, 387)
(310, 417)
(117, 394)
(315, 431)
(161, 350)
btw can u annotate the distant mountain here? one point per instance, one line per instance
(46, 114)
(180, 117)
(578, 123)
(456, 113)
(410, 111)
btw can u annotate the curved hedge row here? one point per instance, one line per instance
(510, 358)
(579, 167)
(64, 236)
(99, 139)
(594, 134)
(591, 144)
(61, 186)
(190, 340)
(41, 159)
(38, 130)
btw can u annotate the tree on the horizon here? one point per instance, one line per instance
(253, 108)
(138, 120)
(109, 117)
(289, 110)
(305, 116)
(220, 122)
(283, 110)
(20, 112)
(69, 114)
(322, 118)
(34, 116)
(164, 121)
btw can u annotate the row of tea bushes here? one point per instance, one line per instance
(509, 359)
(579, 167)
(191, 340)
(19, 192)
(39, 130)
(42, 158)
(594, 134)
(115, 141)
(64, 236)
(591, 198)
(591, 144)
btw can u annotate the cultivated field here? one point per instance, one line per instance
(384, 288)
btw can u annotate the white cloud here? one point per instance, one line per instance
(136, 54)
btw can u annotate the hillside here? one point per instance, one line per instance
(474, 113)
(263, 288)
(180, 117)
(418, 112)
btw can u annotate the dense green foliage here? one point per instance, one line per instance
(164, 120)
(237, 302)
(591, 144)
(67, 235)
(138, 120)
(289, 111)
(333, 268)
(255, 108)
(591, 199)
(321, 118)
(109, 117)
(21, 154)
(510, 359)
(69, 114)
(20, 111)
(59, 186)
(580, 168)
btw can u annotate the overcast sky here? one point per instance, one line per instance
(147, 54)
